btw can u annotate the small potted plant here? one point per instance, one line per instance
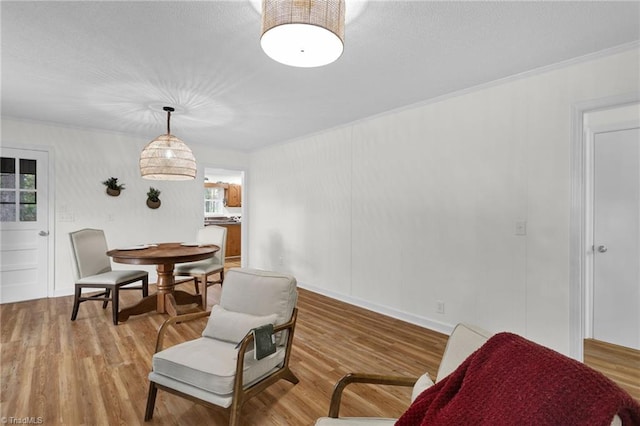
(113, 187)
(153, 200)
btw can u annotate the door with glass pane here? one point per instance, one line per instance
(24, 224)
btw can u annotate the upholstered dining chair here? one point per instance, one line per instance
(202, 270)
(219, 369)
(92, 270)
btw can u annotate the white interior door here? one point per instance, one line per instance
(24, 224)
(616, 273)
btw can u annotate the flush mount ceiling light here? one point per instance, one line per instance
(167, 157)
(303, 33)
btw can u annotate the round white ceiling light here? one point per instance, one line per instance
(303, 33)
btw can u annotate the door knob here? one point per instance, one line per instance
(602, 249)
(43, 233)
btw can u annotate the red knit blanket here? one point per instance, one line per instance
(513, 381)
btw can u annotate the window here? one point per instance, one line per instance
(213, 200)
(18, 190)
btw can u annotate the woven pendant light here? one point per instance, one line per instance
(303, 33)
(167, 157)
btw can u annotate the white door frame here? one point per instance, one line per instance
(580, 233)
(50, 212)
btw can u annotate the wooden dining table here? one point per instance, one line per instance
(164, 256)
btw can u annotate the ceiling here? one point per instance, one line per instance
(114, 65)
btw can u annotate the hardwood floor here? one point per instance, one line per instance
(90, 372)
(620, 364)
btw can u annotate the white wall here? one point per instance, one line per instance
(417, 206)
(82, 159)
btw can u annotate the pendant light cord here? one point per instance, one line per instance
(169, 111)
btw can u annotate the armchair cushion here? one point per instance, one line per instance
(244, 291)
(421, 385)
(232, 326)
(210, 364)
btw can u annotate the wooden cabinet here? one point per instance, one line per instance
(234, 195)
(232, 192)
(234, 241)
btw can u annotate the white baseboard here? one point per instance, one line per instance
(384, 310)
(69, 291)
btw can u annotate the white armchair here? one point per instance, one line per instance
(552, 386)
(219, 369)
(464, 340)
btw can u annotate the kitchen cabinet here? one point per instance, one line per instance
(234, 195)
(233, 246)
(232, 192)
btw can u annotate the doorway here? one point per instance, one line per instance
(24, 224)
(614, 288)
(589, 118)
(224, 191)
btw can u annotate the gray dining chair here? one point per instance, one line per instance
(203, 270)
(92, 270)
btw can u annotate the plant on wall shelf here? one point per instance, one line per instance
(113, 187)
(153, 198)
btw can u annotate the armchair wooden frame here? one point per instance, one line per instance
(240, 393)
(373, 379)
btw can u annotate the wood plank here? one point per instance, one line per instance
(90, 372)
(620, 364)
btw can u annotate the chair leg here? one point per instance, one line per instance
(290, 377)
(145, 286)
(196, 286)
(76, 303)
(151, 401)
(234, 413)
(107, 294)
(204, 293)
(115, 305)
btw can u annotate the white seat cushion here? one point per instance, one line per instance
(210, 364)
(201, 267)
(112, 277)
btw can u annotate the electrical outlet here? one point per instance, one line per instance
(440, 307)
(521, 228)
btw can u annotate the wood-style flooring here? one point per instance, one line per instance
(90, 372)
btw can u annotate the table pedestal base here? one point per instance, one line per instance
(166, 300)
(171, 304)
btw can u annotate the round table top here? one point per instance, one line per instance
(163, 253)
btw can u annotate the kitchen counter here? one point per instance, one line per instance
(222, 221)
